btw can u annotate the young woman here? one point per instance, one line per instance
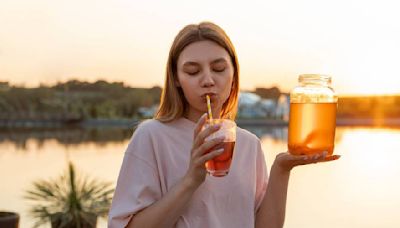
(163, 181)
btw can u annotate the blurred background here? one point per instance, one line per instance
(77, 76)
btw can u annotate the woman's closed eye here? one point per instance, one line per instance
(215, 69)
(219, 67)
(191, 70)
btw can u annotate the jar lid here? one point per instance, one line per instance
(315, 78)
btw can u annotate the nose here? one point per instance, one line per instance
(207, 80)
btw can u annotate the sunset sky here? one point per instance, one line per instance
(355, 41)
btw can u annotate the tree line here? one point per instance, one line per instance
(75, 99)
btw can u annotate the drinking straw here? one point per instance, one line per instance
(209, 109)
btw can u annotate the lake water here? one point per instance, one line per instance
(359, 190)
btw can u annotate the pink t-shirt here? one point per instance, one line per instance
(158, 157)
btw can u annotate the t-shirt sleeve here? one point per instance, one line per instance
(138, 184)
(261, 176)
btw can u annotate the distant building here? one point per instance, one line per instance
(283, 106)
(247, 106)
(251, 105)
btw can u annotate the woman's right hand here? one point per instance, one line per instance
(197, 172)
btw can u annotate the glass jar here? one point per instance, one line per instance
(312, 116)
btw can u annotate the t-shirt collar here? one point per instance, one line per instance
(186, 123)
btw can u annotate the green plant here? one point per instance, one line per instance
(69, 200)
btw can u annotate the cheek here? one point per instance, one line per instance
(228, 88)
(188, 90)
(188, 94)
(228, 91)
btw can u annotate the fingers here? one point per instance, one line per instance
(199, 124)
(296, 160)
(199, 156)
(317, 158)
(313, 158)
(211, 155)
(332, 158)
(199, 139)
(207, 146)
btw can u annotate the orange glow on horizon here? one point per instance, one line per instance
(129, 41)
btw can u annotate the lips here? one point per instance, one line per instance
(209, 94)
(213, 96)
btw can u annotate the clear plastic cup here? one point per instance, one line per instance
(219, 166)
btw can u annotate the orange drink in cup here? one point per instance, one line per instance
(219, 166)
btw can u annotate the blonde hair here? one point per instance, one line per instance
(173, 102)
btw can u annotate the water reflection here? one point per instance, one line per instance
(276, 133)
(359, 190)
(64, 136)
(75, 136)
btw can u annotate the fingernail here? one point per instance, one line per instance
(216, 126)
(219, 151)
(220, 138)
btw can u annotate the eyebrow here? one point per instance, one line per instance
(218, 60)
(191, 63)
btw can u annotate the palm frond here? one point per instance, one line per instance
(69, 200)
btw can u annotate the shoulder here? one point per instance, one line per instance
(156, 129)
(149, 125)
(246, 135)
(143, 136)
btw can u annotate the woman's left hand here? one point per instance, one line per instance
(287, 161)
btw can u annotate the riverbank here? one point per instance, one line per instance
(89, 123)
(345, 122)
(131, 123)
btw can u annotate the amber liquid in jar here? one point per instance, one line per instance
(312, 128)
(312, 120)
